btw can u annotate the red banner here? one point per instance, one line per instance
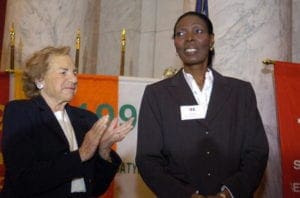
(2, 22)
(287, 86)
(4, 97)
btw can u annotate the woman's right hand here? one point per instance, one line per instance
(113, 134)
(92, 138)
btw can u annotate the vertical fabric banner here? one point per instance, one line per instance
(119, 97)
(98, 94)
(4, 97)
(128, 180)
(202, 7)
(287, 88)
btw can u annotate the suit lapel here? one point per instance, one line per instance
(181, 91)
(220, 93)
(49, 119)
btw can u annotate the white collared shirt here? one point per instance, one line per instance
(201, 96)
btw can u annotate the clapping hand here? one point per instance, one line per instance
(92, 138)
(113, 134)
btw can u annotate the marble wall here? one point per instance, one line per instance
(149, 25)
(246, 33)
(38, 24)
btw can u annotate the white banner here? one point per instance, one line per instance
(128, 183)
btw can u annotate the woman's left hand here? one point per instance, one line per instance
(114, 133)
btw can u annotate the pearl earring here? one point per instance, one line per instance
(39, 86)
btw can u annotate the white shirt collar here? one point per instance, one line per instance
(201, 96)
(208, 82)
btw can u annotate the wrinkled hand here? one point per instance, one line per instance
(114, 133)
(91, 139)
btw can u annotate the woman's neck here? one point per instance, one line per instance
(54, 104)
(198, 72)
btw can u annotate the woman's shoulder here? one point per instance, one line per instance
(240, 87)
(238, 82)
(18, 108)
(233, 81)
(19, 103)
(169, 81)
(159, 87)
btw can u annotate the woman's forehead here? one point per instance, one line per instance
(60, 60)
(189, 20)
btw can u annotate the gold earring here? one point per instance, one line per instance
(211, 48)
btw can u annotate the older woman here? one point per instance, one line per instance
(200, 133)
(50, 148)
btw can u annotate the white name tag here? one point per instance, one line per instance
(190, 112)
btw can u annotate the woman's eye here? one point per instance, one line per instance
(199, 31)
(179, 34)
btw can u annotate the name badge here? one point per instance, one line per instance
(190, 112)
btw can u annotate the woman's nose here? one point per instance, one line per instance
(73, 78)
(189, 37)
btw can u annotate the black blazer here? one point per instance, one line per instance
(36, 153)
(229, 147)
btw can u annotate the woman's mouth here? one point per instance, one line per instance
(190, 50)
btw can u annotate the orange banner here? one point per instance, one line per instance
(98, 94)
(4, 97)
(287, 87)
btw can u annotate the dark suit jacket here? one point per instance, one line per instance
(229, 147)
(37, 157)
